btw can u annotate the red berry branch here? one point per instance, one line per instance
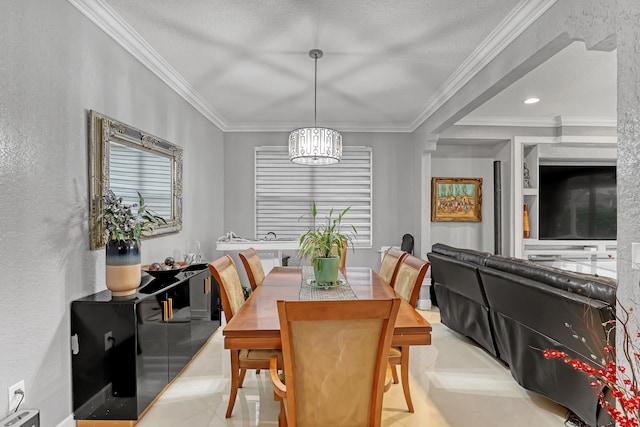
(620, 380)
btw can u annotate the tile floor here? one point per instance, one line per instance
(454, 383)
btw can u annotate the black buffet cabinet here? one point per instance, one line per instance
(126, 351)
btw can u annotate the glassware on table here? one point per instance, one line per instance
(192, 254)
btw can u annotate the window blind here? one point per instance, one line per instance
(132, 170)
(285, 192)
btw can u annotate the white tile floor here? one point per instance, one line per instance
(454, 383)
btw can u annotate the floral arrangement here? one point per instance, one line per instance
(121, 222)
(619, 381)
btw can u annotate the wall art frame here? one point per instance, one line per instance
(456, 199)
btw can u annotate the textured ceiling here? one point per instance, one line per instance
(384, 61)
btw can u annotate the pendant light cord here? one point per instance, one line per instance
(315, 93)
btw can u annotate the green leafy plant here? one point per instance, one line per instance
(120, 222)
(321, 239)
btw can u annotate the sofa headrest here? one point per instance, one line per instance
(468, 255)
(590, 286)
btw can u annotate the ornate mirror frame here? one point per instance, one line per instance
(102, 131)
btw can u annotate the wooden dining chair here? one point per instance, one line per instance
(390, 264)
(343, 255)
(335, 359)
(225, 273)
(253, 266)
(406, 282)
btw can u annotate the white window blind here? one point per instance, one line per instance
(284, 193)
(133, 170)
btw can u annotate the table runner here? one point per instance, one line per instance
(311, 293)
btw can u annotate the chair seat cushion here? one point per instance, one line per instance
(395, 352)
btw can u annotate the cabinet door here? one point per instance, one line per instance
(103, 360)
(203, 323)
(180, 349)
(152, 348)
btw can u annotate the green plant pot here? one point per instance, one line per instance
(325, 270)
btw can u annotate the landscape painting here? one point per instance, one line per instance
(456, 199)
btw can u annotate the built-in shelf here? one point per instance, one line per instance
(531, 151)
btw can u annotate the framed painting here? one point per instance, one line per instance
(456, 199)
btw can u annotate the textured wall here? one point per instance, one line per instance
(392, 186)
(55, 66)
(628, 42)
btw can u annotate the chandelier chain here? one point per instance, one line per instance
(315, 92)
(313, 145)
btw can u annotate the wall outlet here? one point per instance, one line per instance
(16, 399)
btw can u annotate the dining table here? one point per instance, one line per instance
(256, 326)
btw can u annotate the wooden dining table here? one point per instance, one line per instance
(256, 326)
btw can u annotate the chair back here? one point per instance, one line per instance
(335, 358)
(390, 263)
(253, 266)
(407, 243)
(408, 280)
(343, 254)
(225, 273)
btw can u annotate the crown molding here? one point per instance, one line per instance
(524, 121)
(514, 24)
(566, 121)
(344, 127)
(108, 20)
(122, 33)
(549, 121)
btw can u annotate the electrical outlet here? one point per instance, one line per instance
(16, 399)
(108, 340)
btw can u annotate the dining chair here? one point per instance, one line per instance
(407, 243)
(225, 273)
(407, 282)
(335, 356)
(390, 264)
(253, 266)
(343, 255)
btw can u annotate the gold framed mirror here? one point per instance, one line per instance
(127, 161)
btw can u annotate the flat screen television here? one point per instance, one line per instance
(577, 202)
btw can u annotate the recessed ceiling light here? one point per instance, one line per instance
(531, 100)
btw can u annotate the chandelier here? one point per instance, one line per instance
(314, 145)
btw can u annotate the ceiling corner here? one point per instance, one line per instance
(520, 18)
(105, 18)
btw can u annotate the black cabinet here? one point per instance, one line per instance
(205, 307)
(125, 351)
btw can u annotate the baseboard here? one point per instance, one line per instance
(67, 422)
(424, 304)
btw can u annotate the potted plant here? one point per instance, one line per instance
(122, 229)
(324, 243)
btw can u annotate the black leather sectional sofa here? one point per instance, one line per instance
(515, 308)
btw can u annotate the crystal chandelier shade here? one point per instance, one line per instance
(314, 145)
